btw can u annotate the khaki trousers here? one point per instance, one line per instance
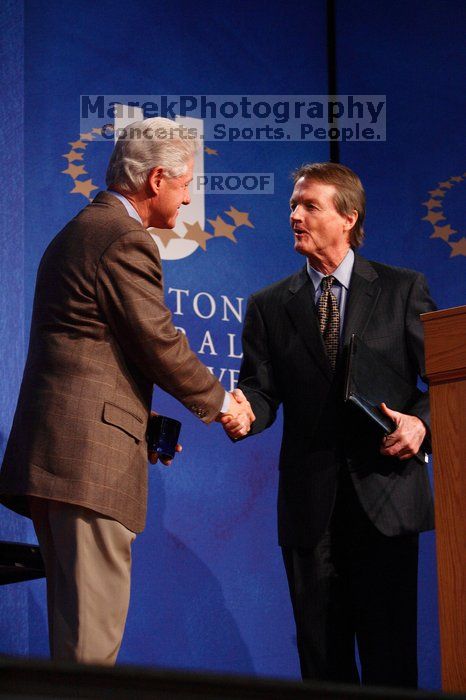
(87, 559)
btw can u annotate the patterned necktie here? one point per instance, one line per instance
(329, 319)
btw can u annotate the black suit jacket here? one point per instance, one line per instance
(285, 362)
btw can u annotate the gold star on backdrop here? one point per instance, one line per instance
(84, 187)
(86, 137)
(433, 217)
(165, 235)
(196, 233)
(78, 144)
(72, 155)
(443, 232)
(458, 248)
(241, 218)
(432, 203)
(211, 151)
(96, 130)
(222, 229)
(75, 170)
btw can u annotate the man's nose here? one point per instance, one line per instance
(295, 215)
(187, 197)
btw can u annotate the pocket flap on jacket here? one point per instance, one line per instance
(129, 422)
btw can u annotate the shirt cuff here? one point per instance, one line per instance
(226, 403)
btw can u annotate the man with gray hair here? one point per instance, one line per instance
(101, 337)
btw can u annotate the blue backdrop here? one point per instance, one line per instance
(208, 587)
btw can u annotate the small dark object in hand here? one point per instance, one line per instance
(162, 436)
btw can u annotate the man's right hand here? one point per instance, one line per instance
(237, 421)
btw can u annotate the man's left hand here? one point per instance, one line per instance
(406, 440)
(154, 457)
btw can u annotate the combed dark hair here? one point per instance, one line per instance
(349, 195)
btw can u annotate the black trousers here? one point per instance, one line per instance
(356, 584)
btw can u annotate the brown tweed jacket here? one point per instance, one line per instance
(101, 336)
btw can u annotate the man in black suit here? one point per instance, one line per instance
(350, 504)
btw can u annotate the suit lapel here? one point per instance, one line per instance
(363, 294)
(302, 311)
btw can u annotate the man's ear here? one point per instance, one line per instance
(154, 181)
(351, 219)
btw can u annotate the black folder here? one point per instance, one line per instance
(370, 380)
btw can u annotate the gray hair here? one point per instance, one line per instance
(149, 144)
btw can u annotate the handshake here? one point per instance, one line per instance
(238, 417)
(236, 421)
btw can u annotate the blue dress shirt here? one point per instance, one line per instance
(340, 285)
(127, 205)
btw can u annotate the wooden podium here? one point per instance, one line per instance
(445, 344)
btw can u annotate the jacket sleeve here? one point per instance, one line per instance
(129, 288)
(256, 378)
(419, 302)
